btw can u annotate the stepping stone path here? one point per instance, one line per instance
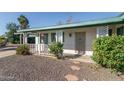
(75, 67)
(71, 77)
(76, 63)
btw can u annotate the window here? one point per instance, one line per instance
(45, 38)
(102, 31)
(31, 40)
(120, 31)
(53, 37)
(110, 32)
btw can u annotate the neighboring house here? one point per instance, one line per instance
(76, 37)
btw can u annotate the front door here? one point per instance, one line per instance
(80, 42)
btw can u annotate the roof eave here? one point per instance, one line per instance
(90, 25)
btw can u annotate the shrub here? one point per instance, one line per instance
(2, 39)
(56, 48)
(23, 50)
(109, 52)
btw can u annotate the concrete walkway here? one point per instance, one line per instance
(83, 58)
(77, 58)
(7, 51)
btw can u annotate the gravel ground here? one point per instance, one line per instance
(30, 68)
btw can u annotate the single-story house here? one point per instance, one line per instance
(76, 37)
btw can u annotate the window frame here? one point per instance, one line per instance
(53, 37)
(120, 31)
(45, 38)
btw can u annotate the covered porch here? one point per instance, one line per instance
(38, 41)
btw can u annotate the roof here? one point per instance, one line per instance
(112, 20)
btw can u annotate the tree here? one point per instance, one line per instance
(12, 28)
(23, 21)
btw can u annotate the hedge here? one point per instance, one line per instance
(108, 51)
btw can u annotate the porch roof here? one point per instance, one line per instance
(106, 21)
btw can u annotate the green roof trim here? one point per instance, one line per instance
(106, 21)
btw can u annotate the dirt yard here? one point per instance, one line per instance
(7, 51)
(30, 68)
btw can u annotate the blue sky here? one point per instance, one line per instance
(39, 19)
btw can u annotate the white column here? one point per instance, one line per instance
(23, 38)
(107, 29)
(56, 36)
(20, 38)
(39, 45)
(36, 39)
(97, 32)
(37, 42)
(26, 39)
(59, 36)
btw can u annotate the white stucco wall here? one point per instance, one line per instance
(69, 42)
(90, 37)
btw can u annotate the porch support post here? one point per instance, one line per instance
(97, 32)
(107, 30)
(37, 42)
(39, 45)
(24, 38)
(56, 37)
(20, 38)
(59, 36)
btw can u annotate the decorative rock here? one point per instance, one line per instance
(75, 67)
(76, 62)
(71, 77)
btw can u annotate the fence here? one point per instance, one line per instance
(40, 49)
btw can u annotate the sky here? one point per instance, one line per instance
(40, 19)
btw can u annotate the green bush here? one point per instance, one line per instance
(56, 48)
(23, 50)
(2, 39)
(109, 52)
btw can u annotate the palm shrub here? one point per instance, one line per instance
(109, 52)
(23, 50)
(56, 48)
